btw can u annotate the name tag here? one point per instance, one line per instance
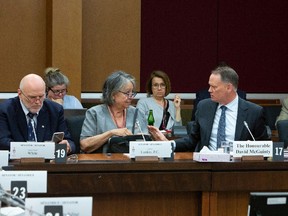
(32, 150)
(36, 180)
(241, 148)
(3, 158)
(60, 205)
(161, 149)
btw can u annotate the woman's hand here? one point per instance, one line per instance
(121, 132)
(156, 133)
(177, 101)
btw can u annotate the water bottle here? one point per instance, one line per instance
(151, 118)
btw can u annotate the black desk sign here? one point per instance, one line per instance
(19, 189)
(278, 151)
(53, 210)
(60, 153)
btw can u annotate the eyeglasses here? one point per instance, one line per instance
(161, 85)
(58, 92)
(33, 99)
(129, 94)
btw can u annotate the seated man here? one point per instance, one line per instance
(221, 117)
(29, 117)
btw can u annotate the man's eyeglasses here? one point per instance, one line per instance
(58, 92)
(157, 86)
(129, 94)
(33, 99)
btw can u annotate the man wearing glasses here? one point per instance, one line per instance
(30, 117)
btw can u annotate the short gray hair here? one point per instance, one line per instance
(228, 75)
(54, 76)
(114, 83)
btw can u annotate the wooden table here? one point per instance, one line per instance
(121, 186)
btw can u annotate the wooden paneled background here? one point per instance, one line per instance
(89, 39)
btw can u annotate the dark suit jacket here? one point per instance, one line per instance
(201, 128)
(13, 123)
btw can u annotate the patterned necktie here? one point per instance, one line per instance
(221, 127)
(31, 128)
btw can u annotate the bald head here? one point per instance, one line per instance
(32, 92)
(32, 81)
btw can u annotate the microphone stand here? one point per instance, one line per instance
(12, 200)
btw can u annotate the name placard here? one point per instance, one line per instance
(60, 205)
(251, 148)
(36, 180)
(32, 150)
(161, 149)
(4, 158)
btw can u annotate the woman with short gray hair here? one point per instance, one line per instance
(115, 117)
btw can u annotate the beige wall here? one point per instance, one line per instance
(87, 39)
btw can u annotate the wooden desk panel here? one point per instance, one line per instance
(121, 186)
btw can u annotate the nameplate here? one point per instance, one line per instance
(4, 158)
(32, 150)
(161, 149)
(250, 148)
(36, 180)
(60, 205)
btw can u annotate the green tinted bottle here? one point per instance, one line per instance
(151, 118)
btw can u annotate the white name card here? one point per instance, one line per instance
(36, 180)
(4, 158)
(251, 148)
(161, 149)
(59, 206)
(32, 150)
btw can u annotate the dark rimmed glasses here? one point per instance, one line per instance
(129, 94)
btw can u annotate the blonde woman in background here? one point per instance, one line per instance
(57, 88)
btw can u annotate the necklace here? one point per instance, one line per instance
(116, 120)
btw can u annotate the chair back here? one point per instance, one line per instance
(282, 127)
(74, 125)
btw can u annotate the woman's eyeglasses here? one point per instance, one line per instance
(129, 94)
(58, 92)
(157, 86)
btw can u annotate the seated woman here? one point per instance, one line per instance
(115, 117)
(56, 89)
(166, 113)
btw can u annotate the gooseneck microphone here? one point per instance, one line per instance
(12, 200)
(246, 125)
(138, 124)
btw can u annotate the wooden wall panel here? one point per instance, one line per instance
(253, 39)
(66, 41)
(22, 41)
(111, 40)
(180, 38)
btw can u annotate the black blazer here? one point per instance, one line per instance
(13, 123)
(200, 131)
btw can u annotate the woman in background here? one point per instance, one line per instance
(56, 89)
(115, 117)
(166, 113)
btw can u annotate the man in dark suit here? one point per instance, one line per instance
(223, 84)
(47, 116)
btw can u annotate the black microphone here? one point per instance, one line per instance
(246, 125)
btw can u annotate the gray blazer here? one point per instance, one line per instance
(200, 131)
